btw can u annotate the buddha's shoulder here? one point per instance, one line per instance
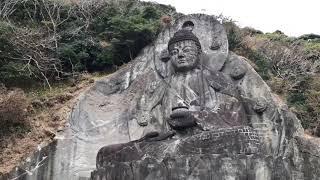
(220, 82)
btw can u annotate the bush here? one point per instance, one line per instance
(312, 47)
(248, 31)
(15, 74)
(234, 34)
(279, 85)
(6, 30)
(127, 32)
(277, 37)
(290, 66)
(297, 95)
(13, 107)
(262, 62)
(312, 102)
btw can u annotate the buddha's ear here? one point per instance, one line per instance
(165, 56)
(213, 61)
(162, 65)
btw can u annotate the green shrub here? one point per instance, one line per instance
(279, 85)
(262, 62)
(312, 47)
(249, 31)
(150, 12)
(234, 35)
(127, 33)
(277, 37)
(6, 31)
(86, 37)
(16, 74)
(297, 98)
(5, 28)
(298, 95)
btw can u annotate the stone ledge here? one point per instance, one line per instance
(204, 167)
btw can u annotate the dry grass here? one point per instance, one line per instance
(45, 112)
(290, 66)
(13, 107)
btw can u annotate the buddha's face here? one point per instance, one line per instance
(184, 55)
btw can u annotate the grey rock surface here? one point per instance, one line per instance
(127, 113)
(209, 167)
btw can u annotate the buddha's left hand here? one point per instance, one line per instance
(182, 119)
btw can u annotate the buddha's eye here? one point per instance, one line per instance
(174, 52)
(187, 49)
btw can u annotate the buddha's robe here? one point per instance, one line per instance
(211, 96)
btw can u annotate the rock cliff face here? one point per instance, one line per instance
(267, 145)
(126, 126)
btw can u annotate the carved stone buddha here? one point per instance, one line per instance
(202, 108)
(198, 111)
(195, 90)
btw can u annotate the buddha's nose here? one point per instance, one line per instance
(181, 55)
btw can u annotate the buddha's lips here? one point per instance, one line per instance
(180, 107)
(182, 61)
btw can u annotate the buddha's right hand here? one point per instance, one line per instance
(181, 119)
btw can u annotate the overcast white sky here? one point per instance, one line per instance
(293, 17)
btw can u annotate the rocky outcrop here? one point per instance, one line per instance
(127, 126)
(266, 145)
(209, 167)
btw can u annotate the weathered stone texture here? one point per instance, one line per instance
(238, 129)
(208, 167)
(245, 133)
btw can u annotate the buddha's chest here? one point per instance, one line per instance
(188, 87)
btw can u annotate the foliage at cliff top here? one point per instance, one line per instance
(290, 65)
(50, 40)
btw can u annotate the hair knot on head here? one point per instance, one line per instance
(183, 35)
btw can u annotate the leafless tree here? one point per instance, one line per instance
(37, 48)
(52, 17)
(7, 7)
(288, 62)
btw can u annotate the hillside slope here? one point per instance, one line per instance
(39, 49)
(290, 65)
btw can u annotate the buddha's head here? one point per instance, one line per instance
(184, 50)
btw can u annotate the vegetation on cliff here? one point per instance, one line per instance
(51, 50)
(290, 65)
(47, 47)
(50, 40)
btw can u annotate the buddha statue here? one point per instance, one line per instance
(202, 107)
(207, 97)
(192, 109)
